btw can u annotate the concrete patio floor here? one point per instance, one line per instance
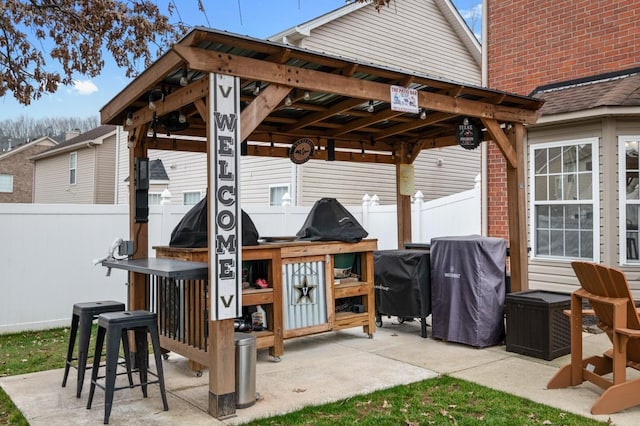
(314, 370)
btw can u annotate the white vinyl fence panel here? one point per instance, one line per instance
(47, 250)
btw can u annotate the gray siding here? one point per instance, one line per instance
(412, 35)
(347, 182)
(257, 173)
(52, 179)
(105, 166)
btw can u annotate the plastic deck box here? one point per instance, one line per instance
(536, 325)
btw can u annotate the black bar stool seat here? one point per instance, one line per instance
(113, 325)
(82, 321)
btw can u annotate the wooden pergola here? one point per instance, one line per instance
(343, 106)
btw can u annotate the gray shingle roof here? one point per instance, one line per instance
(604, 90)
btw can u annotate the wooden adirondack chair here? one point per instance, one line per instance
(607, 290)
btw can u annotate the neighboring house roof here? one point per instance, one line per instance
(93, 136)
(45, 140)
(615, 89)
(156, 171)
(293, 35)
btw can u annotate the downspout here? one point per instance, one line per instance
(116, 192)
(94, 191)
(484, 69)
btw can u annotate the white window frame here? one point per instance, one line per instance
(595, 198)
(10, 180)
(73, 168)
(153, 195)
(278, 185)
(184, 193)
(622, 199)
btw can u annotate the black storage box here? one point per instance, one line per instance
(536, 324)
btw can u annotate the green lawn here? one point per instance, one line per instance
(440, 401)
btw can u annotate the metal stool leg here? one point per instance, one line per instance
(127, 355)
(142, 357)
(113, 348)
(96, 364)
(72, 342)
(155, 341)
(86, 322)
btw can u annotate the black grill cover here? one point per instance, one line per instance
(191, 231)
(402, 283)
(328, 220)
(468, 289)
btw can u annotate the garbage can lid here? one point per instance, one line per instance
(244, 339)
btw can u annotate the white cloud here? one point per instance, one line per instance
(84, 87)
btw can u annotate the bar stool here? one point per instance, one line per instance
(114, 325)
(82, 320)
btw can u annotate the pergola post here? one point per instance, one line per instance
(511, 145)
(138, 232)
(403, 202)
(517, 204)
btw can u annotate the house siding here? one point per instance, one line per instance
(558, 275)
(105, 166)
(18, 165)
(428, 43)
(187, 172)
(52, 178)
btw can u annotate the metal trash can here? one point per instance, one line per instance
(246, 355)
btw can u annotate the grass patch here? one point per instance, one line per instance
(440, 401)
(32, 351)
(28, 352)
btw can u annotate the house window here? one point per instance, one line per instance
(276, 192)
(155, 198)
(6, 183)
(191, 198)
(629, 172)
(73, 165)
(564, 201)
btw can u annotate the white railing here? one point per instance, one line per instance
(47, 250)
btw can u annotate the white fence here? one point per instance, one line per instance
(47, 249)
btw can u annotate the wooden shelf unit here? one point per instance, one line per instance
(272, 299)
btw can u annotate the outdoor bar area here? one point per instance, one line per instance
(229, 96)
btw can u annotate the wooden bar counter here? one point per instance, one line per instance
(301, 296)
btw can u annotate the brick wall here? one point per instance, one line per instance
(22, 169)
(533, 43)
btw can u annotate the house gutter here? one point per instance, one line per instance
(92, 144)
(117, 173)
(484, 69)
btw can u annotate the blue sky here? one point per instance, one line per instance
(256, 18)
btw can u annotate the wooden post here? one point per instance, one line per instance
(222, 367)
(138, 232)
(403, 203)
(517, 205)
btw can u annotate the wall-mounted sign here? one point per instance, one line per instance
(404, 99)
(301, 150)
(225, 234)
(468, 135)
(407, 179)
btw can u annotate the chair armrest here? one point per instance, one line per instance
(585, 312)
(630, 332)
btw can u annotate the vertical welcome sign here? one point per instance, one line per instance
(225, 244)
